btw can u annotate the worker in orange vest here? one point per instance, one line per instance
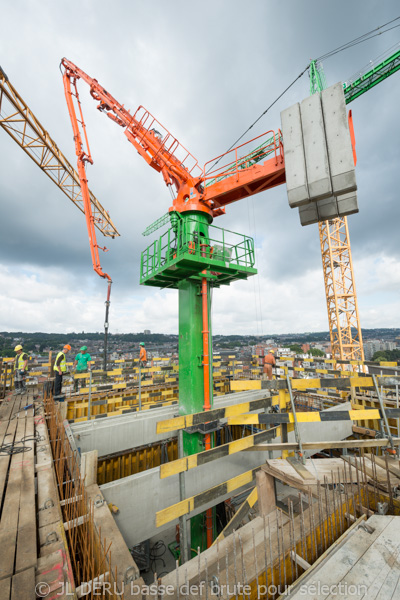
(269, 362)
(142, 358)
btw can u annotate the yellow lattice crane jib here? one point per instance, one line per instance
(17, 119)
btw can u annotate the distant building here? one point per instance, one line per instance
(305, 348)
(147, 332)
(259, 349)
(388, 345)
(371, 347)
(319, 347)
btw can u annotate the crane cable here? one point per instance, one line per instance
(258, 118)
(253, 278)
(362, 38)
(257, 293)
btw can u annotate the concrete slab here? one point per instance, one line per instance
(315, 150)
(295, 163)
(338, 140)
(365, 564)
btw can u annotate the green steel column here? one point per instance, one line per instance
(191, 385)
(191, 378)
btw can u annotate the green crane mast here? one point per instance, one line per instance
(194, 256)
(372, 75)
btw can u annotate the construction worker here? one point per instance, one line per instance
(81, 365)
(60, 368)
(20, 369)
(269, 362)
(142, 358)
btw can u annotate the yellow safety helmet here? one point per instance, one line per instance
(271, 352)
(19, 347)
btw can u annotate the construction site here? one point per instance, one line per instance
(204, 474)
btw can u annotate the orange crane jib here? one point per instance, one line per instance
(207, 190)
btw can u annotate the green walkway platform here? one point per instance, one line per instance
(184, 251)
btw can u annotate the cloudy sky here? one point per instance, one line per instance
(207, 70)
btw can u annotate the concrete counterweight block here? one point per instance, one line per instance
(295, 165)
(327, 209)
(322, 210)
(347, 204)
(315, 150)
(308, 214)
(338, 140)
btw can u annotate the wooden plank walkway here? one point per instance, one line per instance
(366, 565)
(33, 542)
(23, 546)
(17, 472)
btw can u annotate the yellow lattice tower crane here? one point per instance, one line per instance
(340, 289)
(17, 119)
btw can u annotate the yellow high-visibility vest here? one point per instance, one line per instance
(19, 362)
(62, 365)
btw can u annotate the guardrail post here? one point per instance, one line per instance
(296, 425)
(384, 416)
(140, 385)
(90, 395)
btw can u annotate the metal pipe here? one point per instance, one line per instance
(206, 357)
(140, 385)
(397, 406)
(107, 303)
(207, 403)
(90, 396)
(183, 528)
(385, 419)
(296, 427)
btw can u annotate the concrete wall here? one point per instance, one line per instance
(140, 496)
(123, 432)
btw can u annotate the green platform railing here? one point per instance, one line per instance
(184, 242)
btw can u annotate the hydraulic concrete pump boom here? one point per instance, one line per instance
(162, 152)
(83, 156)
(207, 190)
